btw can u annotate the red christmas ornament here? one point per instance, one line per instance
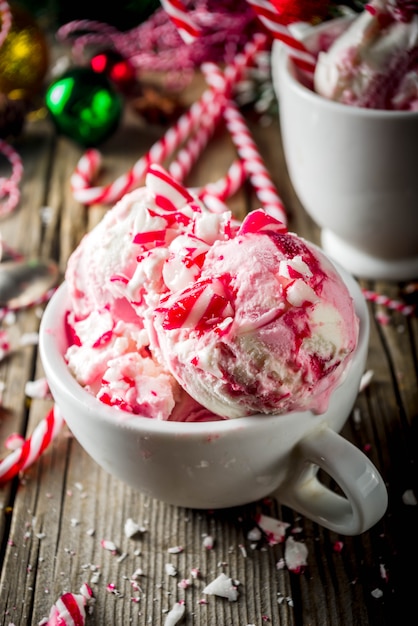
(296, 11)
(118, 69)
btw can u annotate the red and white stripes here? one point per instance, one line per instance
(214, 195)
(9, 187)
(164, 148)
(270, 17)
(180, 16)
(253, 163)
(389, 303)
(247, 149)
(33, 447)
(6, 20)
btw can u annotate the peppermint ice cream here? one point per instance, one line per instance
(178, 313)
(268, 326)
(373, 63)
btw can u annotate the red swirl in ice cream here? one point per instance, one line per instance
(268, 326)
(182, 314)
(374, 62)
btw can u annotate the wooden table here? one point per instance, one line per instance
(54, 517)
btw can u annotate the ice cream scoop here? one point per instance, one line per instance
(267, 327)
(374, 62)
(115, 278)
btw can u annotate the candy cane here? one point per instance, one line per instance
(247, 150)
(6, 20)
(42, 299)
(390, 303)
(251, 157)
(33, 447)
(189, 154)
(213, 195)
(169, 193)
(269, 16)
(253, 163)
(169, 143)
(10, 186)
(181, 19)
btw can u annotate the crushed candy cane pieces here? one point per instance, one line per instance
(175, 550)
(366, 379)
(274, 529)
(132, 529)
(70, 608)
(109, 545)
(409, 498)
(208, 542)
(37, 389)
(175, 615)
(170, 569)
(295, 554)
(222, 586)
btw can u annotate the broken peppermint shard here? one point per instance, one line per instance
(274, 529)
(295, 554)
(176, 614)
(70, 608)
(222, 586)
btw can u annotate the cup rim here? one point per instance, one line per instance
(283, 65)
(52, 345)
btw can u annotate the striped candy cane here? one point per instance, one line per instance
(390, 303)
(33, 447)
(214, 195)
(188, 155)
(167, 145)
(180, 16)
(10, 186)
(247, 150)
(6, 20)
(253, 162)
(271, 19)
(45, 297)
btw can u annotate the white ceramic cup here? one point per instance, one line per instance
(232, 462)
(354, 170)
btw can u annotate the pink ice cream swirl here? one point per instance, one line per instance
(268, 326)
(374, 62)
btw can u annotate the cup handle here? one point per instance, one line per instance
(366, 498)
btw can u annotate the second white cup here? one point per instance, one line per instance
(354, 171)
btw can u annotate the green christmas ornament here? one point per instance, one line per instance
(84, 106)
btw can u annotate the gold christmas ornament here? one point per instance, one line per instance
(24, 57)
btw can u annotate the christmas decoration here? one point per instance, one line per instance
(312, 11)
(24, 57)
(156, 44)
(118, 69)
(84, 106)
(156, 105)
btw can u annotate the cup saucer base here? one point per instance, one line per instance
(363, 265)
